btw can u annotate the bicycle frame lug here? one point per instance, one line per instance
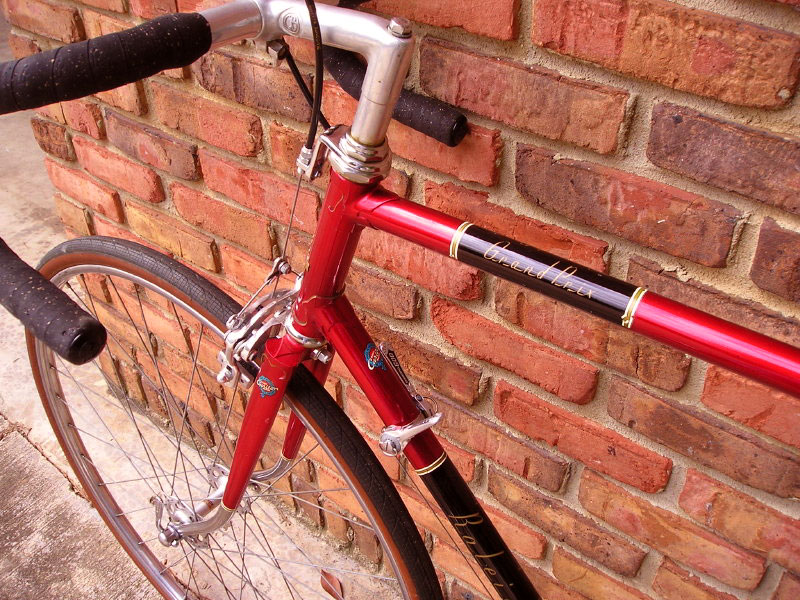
(355, 161)
(395, 438)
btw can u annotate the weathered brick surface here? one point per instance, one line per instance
(681, 47)
(706, 439)
(548, 587)
(753, 404)
(533, 99)
(259, 190)
(703, 297)
(559, 374)
(474, 159)
(788, 588)
(420, 265)
(644, 211)
(84, 116)
(150, 9)
(497, 19)
(132, 177)
(73, 215)
(22, 46)
(52, 138)
(590, 581)
(253, 83)
(234, 130)
(566, 525)
(80, 186)
(179, 239)
(113, 5)
(673, 583)
(776, 266)
(753, 162)
(235, 224)
(372, 289)
(592, 337)
(475, 207)
(49, 19)
(538, 466)
(743, 520)
(597, 447)
(675, 536)
(243, 268)
(153, 146)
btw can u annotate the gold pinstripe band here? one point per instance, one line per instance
(457, 238)
(630, 310)
(433, 466)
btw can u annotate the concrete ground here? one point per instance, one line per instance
(53, 545)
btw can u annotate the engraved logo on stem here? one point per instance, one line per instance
(374, 357)
(266, 387)
(290, 22)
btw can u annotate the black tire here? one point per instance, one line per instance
(164, 436)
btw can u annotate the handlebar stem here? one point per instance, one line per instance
(388, 55)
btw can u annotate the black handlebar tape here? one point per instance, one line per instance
(104, 62)
(427, 115)
(48, 312)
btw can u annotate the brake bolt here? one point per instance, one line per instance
(400, 27)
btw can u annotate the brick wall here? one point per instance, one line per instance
(657, 141)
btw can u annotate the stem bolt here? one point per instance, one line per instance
(400, 27)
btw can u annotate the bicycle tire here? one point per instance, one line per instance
(111, 277)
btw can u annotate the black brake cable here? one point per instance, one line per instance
(298, 77)
(316, 107)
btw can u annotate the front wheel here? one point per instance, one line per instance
(150, 433)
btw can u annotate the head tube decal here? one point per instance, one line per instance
(374, 357)
(266, 387)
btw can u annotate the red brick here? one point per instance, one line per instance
(81, 187)
(496, 19)
(592, 337)
(776, 266)
(703, 297)
(670, 534)
(566, 525)
(149, 9)
(548, 587)
(521, 538)
(742, 519)
(152, 146)
(598, 447)
(234, 224)
(184, 242)
(590, 581)
(260, 191)
(753, 162)
(644, 211)
(788, 588)
(52, 138)
(533, 99)
(422, 266)
(73, 215)
(538, 466)
(113, 5)
(198, 5)
(109, 229)
(374, 290)
(425, 363)
(706, 439)
(84, 116)
(242, 268)
(753, 404)
(233, 130)
(474, 206)
(673, 583)
(132, 177)
(449, 559)
(22, 46)
(253, 83)
(686, 49)
(52, 20)
(476, 158)
(569, 378)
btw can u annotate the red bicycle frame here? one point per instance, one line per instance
(321, 313)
